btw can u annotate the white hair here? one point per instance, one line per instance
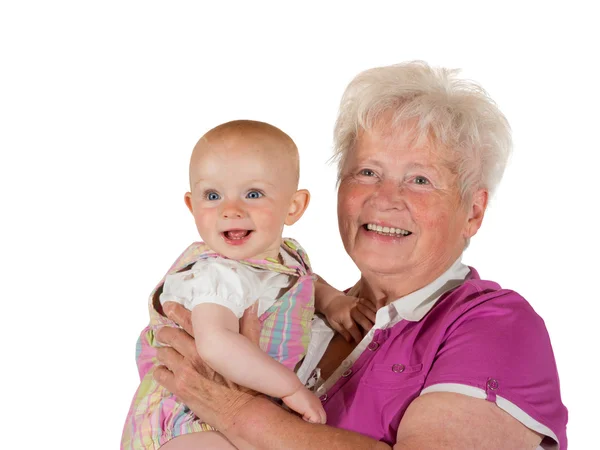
(451, 113)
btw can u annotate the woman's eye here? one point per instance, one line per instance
(367, 172)
(421, 180)
(212, 196)
(254, 194)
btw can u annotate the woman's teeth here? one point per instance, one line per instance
(387, 231)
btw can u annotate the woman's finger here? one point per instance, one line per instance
(250, 325)
(165, 378)
(179, 340)
(368, 313)
(181, 316)
(169, 358)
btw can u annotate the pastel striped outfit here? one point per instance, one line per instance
(155, 415)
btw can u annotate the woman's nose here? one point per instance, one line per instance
(389, 195)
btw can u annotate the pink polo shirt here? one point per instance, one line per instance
(476, 339)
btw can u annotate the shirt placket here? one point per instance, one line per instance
(386, 318)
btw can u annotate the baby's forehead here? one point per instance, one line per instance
(243, 140)
(241, 147)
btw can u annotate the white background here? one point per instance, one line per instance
(102, 102)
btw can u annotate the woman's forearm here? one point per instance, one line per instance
(263, 425)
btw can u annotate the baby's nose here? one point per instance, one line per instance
(232, 211)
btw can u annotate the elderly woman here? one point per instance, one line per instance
(452, 361)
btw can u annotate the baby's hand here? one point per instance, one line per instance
(307, 405)
(346, 314)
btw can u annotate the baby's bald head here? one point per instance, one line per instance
(244, 189)
(260, 139)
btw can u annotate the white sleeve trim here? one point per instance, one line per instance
(320, 336)
(503, 404)
(220, 281)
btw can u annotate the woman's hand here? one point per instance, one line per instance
(183, 373)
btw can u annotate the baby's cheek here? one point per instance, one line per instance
(269, 219)
(206, 220)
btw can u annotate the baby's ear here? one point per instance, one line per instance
(187, 198)
(298, 205)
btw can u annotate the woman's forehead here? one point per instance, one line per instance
(401, 142)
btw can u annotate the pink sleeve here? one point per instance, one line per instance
(145, 353)
(499, 350)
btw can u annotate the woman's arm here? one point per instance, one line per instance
(269, 427)
(246, 418)
(445, 420)
(250, 421)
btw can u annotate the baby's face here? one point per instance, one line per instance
(241, 192)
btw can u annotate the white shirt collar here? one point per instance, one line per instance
(414, 306)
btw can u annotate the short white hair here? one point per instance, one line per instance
(450, 112)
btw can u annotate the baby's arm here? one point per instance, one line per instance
(344, 313)
(216, 330)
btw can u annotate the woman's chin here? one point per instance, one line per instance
(387, 262)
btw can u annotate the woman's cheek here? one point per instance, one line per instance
(433, 215)
(350, 196)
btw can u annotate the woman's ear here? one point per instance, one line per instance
(477, 209)
(187, 198)
(298, 205)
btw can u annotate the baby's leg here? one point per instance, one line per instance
(199, 441)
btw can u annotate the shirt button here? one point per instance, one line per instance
(373, 346)
(492, 385)
(398, 368)
(347, 373)
(323, 398)
(321, 390)
(346, 363)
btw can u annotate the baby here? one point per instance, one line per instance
(244, 189)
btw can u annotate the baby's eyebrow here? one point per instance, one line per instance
(198, 182)
(251, 182)
(248, 184)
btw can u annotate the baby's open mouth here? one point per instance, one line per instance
(236, 234)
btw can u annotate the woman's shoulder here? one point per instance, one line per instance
(481, 297)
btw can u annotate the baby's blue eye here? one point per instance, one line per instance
(254, 194)
(421, 180)
(212, 196)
